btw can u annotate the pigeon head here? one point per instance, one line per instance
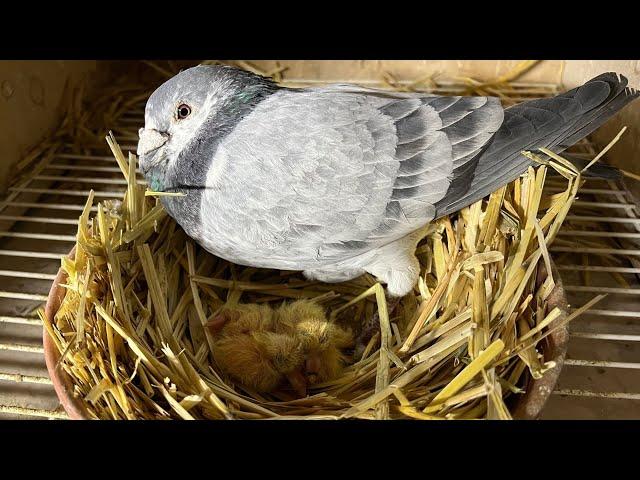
(192, 112)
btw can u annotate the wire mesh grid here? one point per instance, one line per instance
(38, 219)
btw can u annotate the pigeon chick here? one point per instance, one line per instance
(340, 180)
(260, 347)
(323, 342)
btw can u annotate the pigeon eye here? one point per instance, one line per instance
(184, 111)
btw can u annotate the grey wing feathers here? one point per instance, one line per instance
(555, 123)
(435, 136)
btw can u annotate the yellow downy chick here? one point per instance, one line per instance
(259, 346)
(322, 341)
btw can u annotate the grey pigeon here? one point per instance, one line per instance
(340, 180)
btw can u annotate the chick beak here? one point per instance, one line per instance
(150, 140)
(298, 382)
(217, 323)
(312, 367)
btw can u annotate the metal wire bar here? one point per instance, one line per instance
(614, 205)
(597, 268)
(20, 274)
(73, 193)
(19, 378)
(588, 289)
(587, 393)
(583, 233)
(32, 412)
(21, 218)
(52, 206)
(21, 320)
(77, 156)
(612, 313)
(608, 251)
(621, 337)
(88, 168)
(91, 180)
(584, 218)
(602, 363)
(39, 236)
(100, 146)
(18, 347)
(23, 296)
(23, 253)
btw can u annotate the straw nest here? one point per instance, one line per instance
(130, 329)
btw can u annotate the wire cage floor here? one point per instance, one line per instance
(598, 251)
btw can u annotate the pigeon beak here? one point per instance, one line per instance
(150, 140)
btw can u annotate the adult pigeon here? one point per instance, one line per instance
(340, 180)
